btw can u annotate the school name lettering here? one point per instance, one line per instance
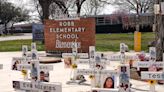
(67, 36)
(62, 44)
(67, 30)
(67, 26)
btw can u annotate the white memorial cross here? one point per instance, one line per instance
(152, 74)
(98, 70)
(92, 58)
(124, 69)
(39, 75)
(60, 16)
(121, 56)
(21, 60)
(74, 55)
(75, 52)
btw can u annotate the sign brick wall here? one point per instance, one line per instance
(59, 34)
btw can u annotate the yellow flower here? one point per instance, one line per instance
(24, 72)
(74, 66)
(152, 82)
(91, 77)
(98, 86)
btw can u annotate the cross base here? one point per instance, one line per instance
(76, 81)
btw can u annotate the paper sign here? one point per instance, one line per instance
(146, 64)
(80, 55)
(29, 67)
(104, 90)
(118, 57)
(94, 72)
(37, 86)
(83, 61)
(152, 75)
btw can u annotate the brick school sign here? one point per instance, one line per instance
(60, 35)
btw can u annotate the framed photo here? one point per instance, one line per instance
(67, 62)
(34, 71)
(152, 52)
(33, 46)
(124, 78)
(24, 50)
(16, 84)
(34, 55)
(74, 49)
(44, 76)
(91, 52)
(108, 82)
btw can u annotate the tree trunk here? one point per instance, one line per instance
(45, 8)
(159, 36)
(5, 28)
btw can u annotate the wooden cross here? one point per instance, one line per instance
(39, 81)
(152, 74)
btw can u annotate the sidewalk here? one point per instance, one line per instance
(17, 37)
(59, 74)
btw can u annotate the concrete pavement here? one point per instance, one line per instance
(59, 74)
(17, 37)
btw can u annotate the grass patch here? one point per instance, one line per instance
(16, 45)
(111, 42)
(104, 42)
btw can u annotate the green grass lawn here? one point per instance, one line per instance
(104, 42)
(16, 45)
(111, 42)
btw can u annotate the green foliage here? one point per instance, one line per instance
(111, 42)
(104, 42)
(16, 45)
(10, 13)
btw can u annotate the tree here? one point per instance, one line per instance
(159, 34)
(45, 8)
(94, 7)
(10, 13)
(136, 6)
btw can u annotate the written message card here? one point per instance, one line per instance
(37, 86)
